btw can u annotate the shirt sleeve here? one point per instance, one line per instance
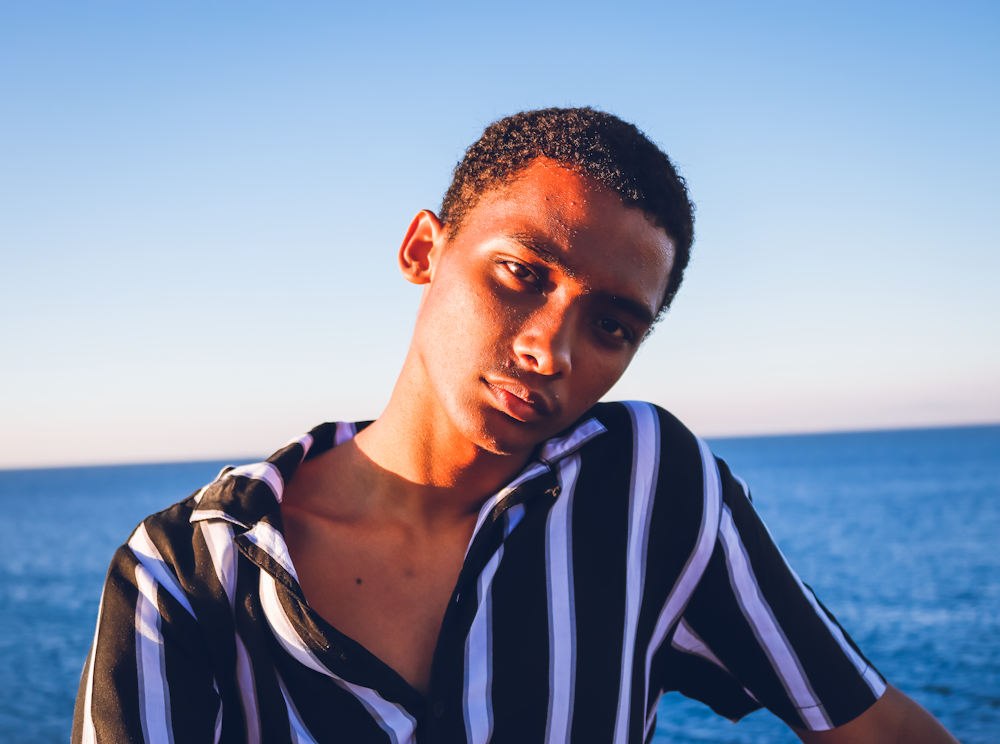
(147, 678)
(754, 635)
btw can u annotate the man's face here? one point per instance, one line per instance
(535, 309)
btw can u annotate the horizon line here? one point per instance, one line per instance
(250, 459)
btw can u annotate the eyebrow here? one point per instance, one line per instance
(638, 310)
(538, 248)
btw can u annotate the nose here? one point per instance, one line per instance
(544, 343)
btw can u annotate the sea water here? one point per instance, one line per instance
(898, 533)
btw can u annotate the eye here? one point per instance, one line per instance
(522, 272)
(613, 328)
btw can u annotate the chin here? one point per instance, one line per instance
(507, 436)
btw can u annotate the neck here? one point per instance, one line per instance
(426, 462)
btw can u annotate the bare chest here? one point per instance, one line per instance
(387, 588)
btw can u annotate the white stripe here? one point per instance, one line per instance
(282, 627)
(272, 542)
(479, 645)
(201, 492)
(555, 449)
(534, 470)
(263, 471)
(686, 640)
(248, 691)
(218, 716)
(698, 560)
(200, 515)
(345, 431)
(222, 552)
(651, 715)
(300, 734)
(391, 718)
(306, 440)
(89, 732)
(561, 601)
(874, 681)
(148, 555)
(765, 627)
(219, 540)
(514, 516)
(645, 430)
(218, 536)
(154, 697)
(478, 659)
(870, 676)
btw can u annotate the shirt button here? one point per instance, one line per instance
(438, 709)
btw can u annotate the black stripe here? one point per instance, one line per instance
(76, 735)
(262, 558)
(191, 662)
(831, 673)
(211, 605)
(246, 500)
(256, 636)
(600, 541)
(344, 656)
(115, 707)
(317, 695)
(715, 615)
(675, 526)
(197, 652)
(700, 679)
(287, 459)
(521, 632)
(324, 437)
(194, 703)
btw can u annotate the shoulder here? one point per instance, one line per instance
(639, 428)
(624, 416)
(646, 451)
(168, 544)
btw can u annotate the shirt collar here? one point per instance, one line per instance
(246, 494)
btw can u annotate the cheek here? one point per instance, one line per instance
(466, 320)
(594, 376)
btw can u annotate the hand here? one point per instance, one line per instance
(894, 718)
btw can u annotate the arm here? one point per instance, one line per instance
(894, 718)
(791, 623)
(147, 675)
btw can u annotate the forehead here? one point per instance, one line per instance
(547, 189)
(582, 223)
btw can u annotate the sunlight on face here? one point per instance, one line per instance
(538, 305)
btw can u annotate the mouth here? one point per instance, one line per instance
(518, 401)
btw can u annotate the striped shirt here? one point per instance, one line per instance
(623, 562)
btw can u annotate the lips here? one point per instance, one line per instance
(518, 401)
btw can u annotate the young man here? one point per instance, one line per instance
(498, 557)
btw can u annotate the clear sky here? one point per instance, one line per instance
(200, 206)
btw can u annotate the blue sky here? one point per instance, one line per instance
(200, 205)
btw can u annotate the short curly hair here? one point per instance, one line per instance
(588, 141)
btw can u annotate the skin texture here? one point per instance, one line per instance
(894, 719)
(528, 316)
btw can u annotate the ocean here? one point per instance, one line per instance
(896, 531)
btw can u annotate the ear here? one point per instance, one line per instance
(421, 247)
